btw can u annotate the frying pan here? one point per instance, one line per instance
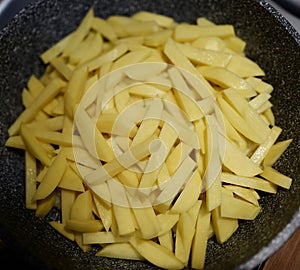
(271, 42)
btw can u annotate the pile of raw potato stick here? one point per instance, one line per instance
(172, 113)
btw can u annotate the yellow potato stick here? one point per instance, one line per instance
(102, 238)
(136, 28)
(237, 208)
(236, 44)
(236, 161)
(250, 182)
(92, 137)
(104, 28)
(176, 157)
(70, 180)
(161, 20)
(205, 57)
(185, 231)
(106, 122)
(244, 67)
(67, 199)
(34, 146)
(26, 98)
(263, 149)
(128, 178)
(276, 177)
(267, 105)
(187, 32)
(131, 42)
(223, 227)
(105, 58)
(146, 91)
(190, 194)
(84, 226)
(104, 211)
(148, 223)
(166, 240)
(60, 227)
(172, 51)
(156, 254)
(120, 251)
(79, 33)
(259, 100)
(56, 49)
(202, 21)
(61, 67)
(35, 86)
(181, 93)
(121, 100)
(74, 90)
(167, 221)
(120, 163)
(59, 109)
(153, 167)
(44, 206)
(172, 187)
(52, 177)
(29, 113)
(130, 58)
(223, 77)
(158, 39)
(244, 193)
(54, 137)
(150, 122)
(30, 180)
(247, 112)
(15, 142)
(124, 219)
(82, 207)
(213, 194)
(275, 152)
(210, 43)
(52, 123)
(238, 122)
(163, 175)
(87, 49)
(199, 243)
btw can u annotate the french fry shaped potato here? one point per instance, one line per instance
(156, 254)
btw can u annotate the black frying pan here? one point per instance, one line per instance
(271, 42)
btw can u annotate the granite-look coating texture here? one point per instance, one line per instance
(271, 42)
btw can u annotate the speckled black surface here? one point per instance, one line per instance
(271, 42)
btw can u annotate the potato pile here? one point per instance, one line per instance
(150, 136)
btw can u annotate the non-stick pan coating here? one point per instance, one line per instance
(271, 42)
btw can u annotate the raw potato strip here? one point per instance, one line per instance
(74, 90)
(198, 251)
(156, 254)
(80, 33)
(42, 99)
(34, 146)
(161, 20)
(251, 182)
(121, 251)
(52, 177)
(275, 152)
(186, 32)
(262, 150)
(30, 178)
